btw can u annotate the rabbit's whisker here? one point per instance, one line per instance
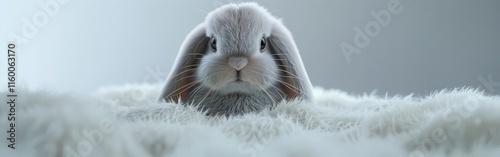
(290, 86)
(280, 93)
(205, 96)
(289, 73)
(180, 79)
(184, 88)
(269, 95)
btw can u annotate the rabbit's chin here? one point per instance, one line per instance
(239, 87)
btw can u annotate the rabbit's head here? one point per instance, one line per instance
(240, 48)
(238, 58)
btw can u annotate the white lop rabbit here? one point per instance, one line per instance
(240, 59)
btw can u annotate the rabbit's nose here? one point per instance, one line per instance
(238, 62)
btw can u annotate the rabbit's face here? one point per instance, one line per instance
(238, 57)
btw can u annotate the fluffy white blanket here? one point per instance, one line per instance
(126, 121)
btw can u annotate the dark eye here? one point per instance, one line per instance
(263, 44)
(213, 44)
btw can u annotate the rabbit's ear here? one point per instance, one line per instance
(182, 77)
(294, 81)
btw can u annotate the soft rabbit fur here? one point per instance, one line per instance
(241, 59)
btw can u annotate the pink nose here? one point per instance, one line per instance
(238, 63)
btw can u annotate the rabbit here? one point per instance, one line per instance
(241, 59)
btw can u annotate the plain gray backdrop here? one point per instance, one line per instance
(429, 45)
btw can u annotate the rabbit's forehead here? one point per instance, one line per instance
(242, 22)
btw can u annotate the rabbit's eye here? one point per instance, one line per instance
(213, 44)
(263, 44)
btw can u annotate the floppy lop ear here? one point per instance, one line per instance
(182, 77)
(294, 81)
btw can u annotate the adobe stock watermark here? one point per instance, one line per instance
(453, 120)
(92, 138)
(155, 75)
(371, 29)
(138, 94)
(257, 138)
(256, 145)
(489, 84)
(31, 26)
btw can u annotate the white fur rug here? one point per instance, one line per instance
(125, 121)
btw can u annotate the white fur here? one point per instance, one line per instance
(459, 123)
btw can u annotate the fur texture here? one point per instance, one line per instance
(128, 122)
(240, 59)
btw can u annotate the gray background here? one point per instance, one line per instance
(430, 45)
